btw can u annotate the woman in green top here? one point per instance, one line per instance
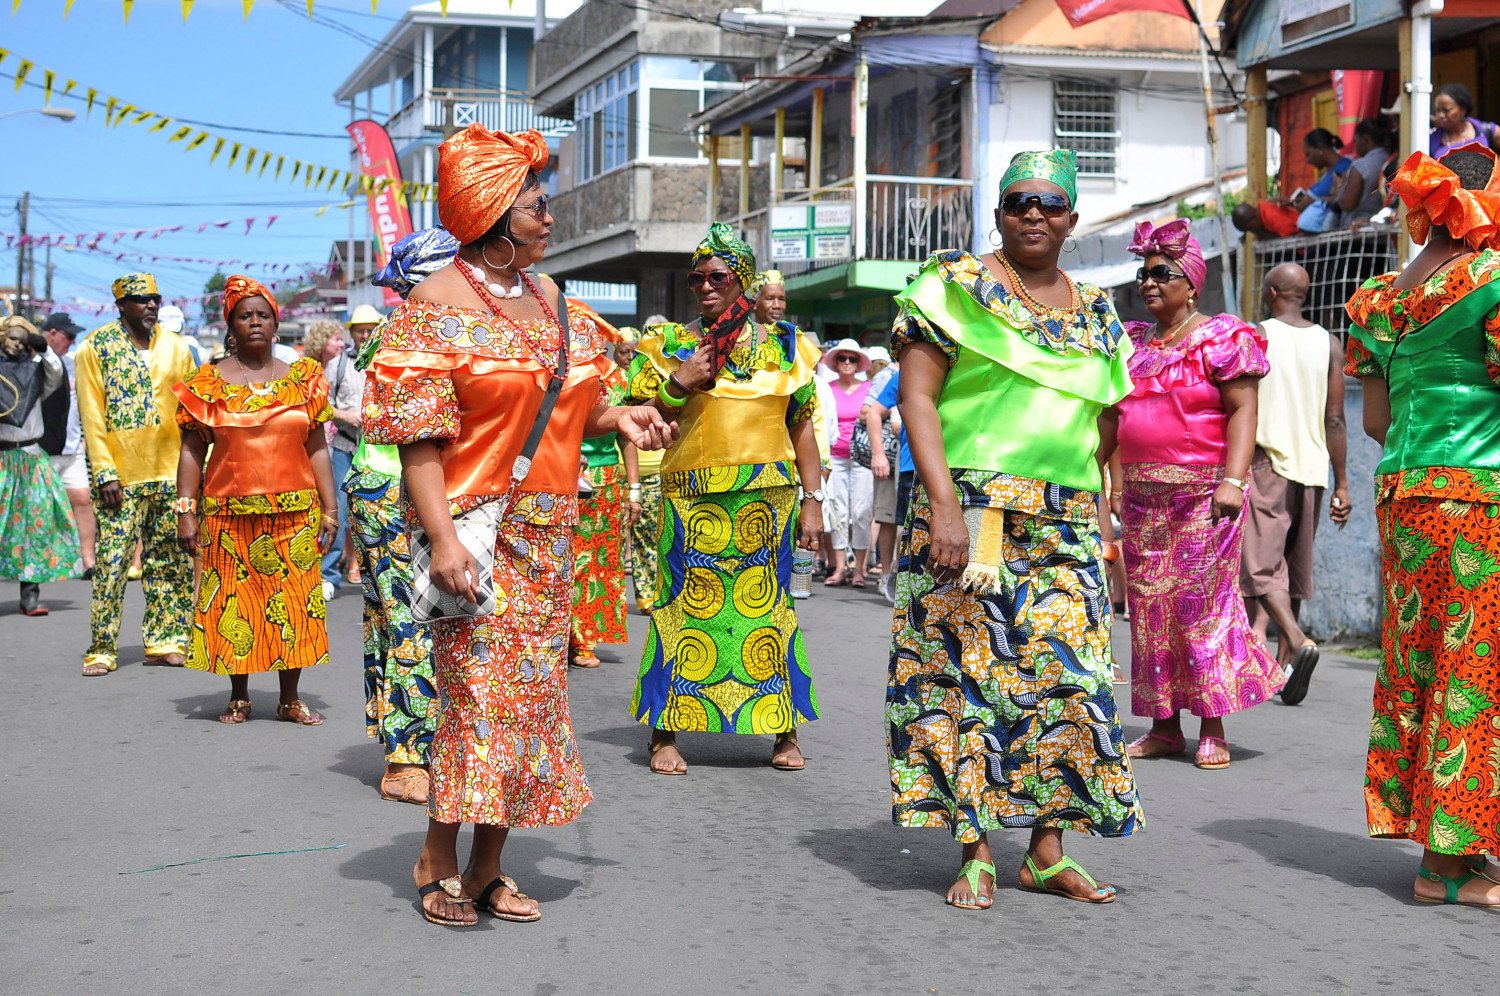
(999, 710)
(724, 654)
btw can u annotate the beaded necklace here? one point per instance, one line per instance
(1021, 291)
(492, 304)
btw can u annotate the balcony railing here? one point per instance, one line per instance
(1337, 262)
(498, 110)
(905, 218)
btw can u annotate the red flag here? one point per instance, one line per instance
(388, 212)
(1081, 12)
(1358, 95)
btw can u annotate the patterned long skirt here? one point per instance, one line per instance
(38, 541)
(504, 751)
(1191, 645)
(599, 563)
(999, 711)
(724, 654)
(1433, 771)
(260, 596)
(645, 534)
(400, 694)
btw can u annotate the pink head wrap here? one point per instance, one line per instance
(1175, 241)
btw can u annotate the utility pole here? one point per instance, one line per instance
(23, 207)
(48, 295)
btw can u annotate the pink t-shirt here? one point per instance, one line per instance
(848, 404)
(1174, 413)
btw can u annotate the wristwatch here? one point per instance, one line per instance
(1236, 482)
(816, 496)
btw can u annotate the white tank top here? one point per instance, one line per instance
(1293, 395)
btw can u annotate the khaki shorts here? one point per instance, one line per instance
(1279, 530)
(885, 499)
(73, 470)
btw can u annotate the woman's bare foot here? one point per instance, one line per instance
(666, 759)
(966, 896)
(441, 904)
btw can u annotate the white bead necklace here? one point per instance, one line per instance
(496, 288)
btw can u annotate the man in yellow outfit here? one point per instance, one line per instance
(125, 373)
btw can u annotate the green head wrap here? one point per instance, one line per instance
(1059, 166)
(723, 243)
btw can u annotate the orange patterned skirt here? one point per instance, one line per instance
(259, 604)
(1432, 774)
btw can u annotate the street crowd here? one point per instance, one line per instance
(494, 464)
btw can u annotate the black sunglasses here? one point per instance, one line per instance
(142, 298)
(1161, 273)
(1018, 203)
(717, 279)
(846, 358)
(537, 208)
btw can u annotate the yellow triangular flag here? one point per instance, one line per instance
(21, 73)
(124, 110)
(198, 140)
(161, 124)
(265, 160)
(296, 168)
(187, 8)
(67, 6)
(15, 6)
(218, 148)
(250, 159)
(319, 212)
(143, 117)
(182, 133)
(128, 4)
(247, 5)
(48, 78)
(89, 101)
(309, 9)
(280, 162)
(3, 53)
(109, 111)
(234, 153)
(322, 171)
(68, 87)
(444, 4)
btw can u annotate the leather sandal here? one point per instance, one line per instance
(238, 711)
(1175, 745)
(413, 785)
(777, 760)
(170, 659)
(99, 667)
(453, 888)
(1450, 889)
(657, 746)
(504, 881)
(1205, 753)
(298, 712)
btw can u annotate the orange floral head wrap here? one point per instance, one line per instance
(239, 287)
(480, 172)
(1434, 195)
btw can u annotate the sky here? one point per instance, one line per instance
(275, 70)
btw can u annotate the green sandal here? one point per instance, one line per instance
(1451, 887)
(971, 870)
(1040, 877)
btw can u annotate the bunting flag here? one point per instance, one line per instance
(118, 112)
(1081, 12)
(187, 7)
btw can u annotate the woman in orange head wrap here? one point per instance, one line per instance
(1424, 341)
(456, 384)
(261, 511)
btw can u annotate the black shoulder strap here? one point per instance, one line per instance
(522, 466)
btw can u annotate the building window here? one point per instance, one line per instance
(606, 113)
(1086, 119)
(680, 88)
(947, 131)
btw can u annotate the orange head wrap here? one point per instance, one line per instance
(239, 287)
(1434, 195)
(480, 172)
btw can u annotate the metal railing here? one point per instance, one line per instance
(440, 109)
(1337, 263)
(906, 218)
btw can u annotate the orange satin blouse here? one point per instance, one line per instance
(259, 441)
(473, 382)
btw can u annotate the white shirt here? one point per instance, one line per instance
(1293, 395)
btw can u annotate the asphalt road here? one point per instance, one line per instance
(1257, 879)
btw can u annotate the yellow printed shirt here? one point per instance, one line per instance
(126, 404)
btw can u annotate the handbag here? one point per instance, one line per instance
(859, 443)
(20, 390)
(479, 527)
(1316, 218)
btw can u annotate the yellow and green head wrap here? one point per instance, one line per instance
(764, 279)
(1059, 166)
(734, 251)
(135, 285)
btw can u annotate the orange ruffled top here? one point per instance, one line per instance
(473, 383)
(259, 462)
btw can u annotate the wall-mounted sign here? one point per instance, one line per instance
(816, 232)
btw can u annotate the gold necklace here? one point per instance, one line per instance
(1167, 339)
(266, 389)
(1024, 293)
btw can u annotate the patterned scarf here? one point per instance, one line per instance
(725, 332)
(130, 399)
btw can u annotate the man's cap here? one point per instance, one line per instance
(171, 318)
(60, 322)
(135, 285)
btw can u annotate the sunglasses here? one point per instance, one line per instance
(845, 358)
(717, 279)
(1160, 273)
(142, 298)
(1017, 203)
(537, 208)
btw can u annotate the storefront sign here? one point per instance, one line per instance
(816, 232)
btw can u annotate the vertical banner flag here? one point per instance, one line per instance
(388, 212)
(1358, 95)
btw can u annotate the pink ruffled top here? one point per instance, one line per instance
(1174, 414)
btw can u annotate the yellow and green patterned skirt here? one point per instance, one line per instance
(260, 596)
(724, 654)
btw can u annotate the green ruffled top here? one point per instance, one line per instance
(1024, 389)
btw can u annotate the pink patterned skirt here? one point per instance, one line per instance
(504, 752)
(1191, 645)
